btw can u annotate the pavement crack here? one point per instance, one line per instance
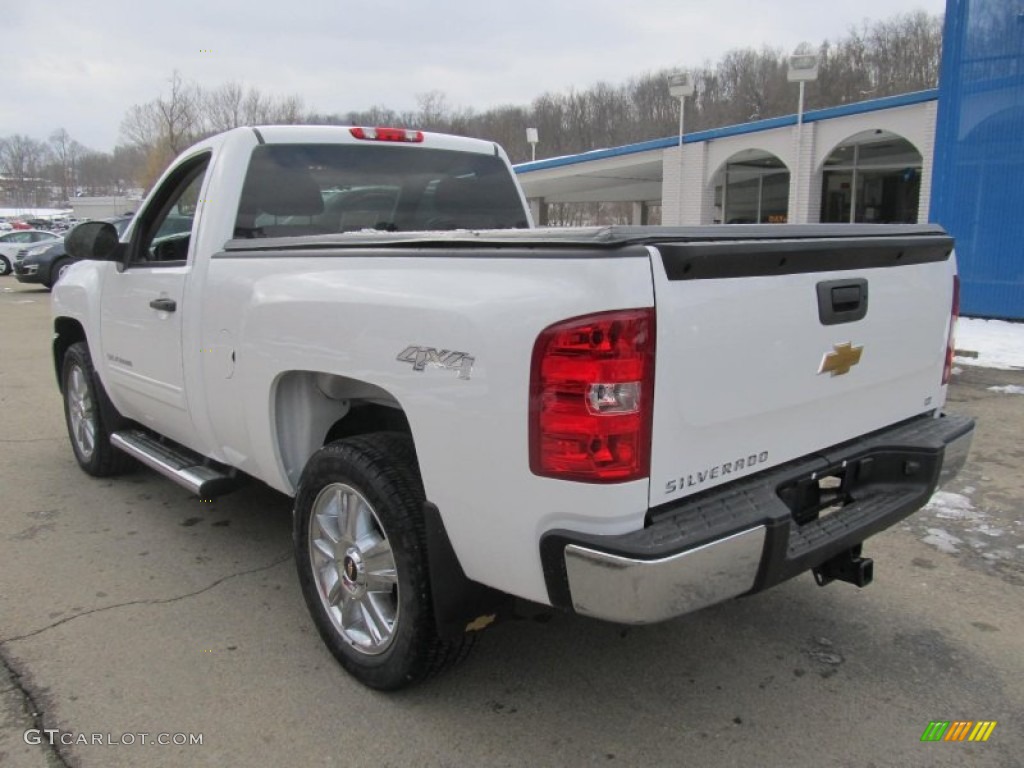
(30, 703)
(151, 601)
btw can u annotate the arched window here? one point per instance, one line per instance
(872, 177)
(753, 188)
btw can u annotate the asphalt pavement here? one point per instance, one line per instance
(132, 614)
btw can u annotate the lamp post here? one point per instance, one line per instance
(803, 68)
(679, 87)
(531, 139)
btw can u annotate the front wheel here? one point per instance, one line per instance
(361, 554)
(5, 266)
(88, 430)
(57, 271)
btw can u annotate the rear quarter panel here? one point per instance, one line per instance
(353, 314)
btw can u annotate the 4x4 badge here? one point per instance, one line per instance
(841, 359)
(421, 357)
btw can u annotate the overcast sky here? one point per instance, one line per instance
(80, 65)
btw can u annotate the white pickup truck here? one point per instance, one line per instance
(629, 423)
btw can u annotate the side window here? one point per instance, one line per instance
(164, 231)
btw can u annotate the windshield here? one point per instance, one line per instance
(295, 190)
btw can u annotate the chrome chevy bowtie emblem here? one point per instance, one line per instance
(841, 359)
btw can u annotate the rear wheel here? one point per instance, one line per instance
(89, 432)
(362, 560)
(5, 266)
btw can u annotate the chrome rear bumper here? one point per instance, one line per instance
(631, 591)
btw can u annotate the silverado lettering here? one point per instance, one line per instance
(692, 480)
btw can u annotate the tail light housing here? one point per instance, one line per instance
(954, 314)
(592, 398)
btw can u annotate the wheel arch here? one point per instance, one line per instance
(66, 331)
(313, 408)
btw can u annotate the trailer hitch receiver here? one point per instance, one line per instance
(847, 566)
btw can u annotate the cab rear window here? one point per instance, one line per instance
(295, 190)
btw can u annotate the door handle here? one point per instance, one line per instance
(164, 305)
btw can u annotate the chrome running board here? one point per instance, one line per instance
(187, 469)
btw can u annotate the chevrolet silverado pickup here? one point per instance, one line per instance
(630, 423)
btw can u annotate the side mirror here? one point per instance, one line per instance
(97, 240)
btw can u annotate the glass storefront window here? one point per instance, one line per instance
(873, 178)
(756, 190)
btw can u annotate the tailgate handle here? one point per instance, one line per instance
(164, 304)
(842, 301)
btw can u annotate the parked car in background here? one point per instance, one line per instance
(46, 262)
(17, 240)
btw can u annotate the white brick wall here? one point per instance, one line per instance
(671, 186)
(804, 184)
(927, 149)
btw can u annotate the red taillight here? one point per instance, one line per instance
(387, 134)
(592, 397)
(947, 369)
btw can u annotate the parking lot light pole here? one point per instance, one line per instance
(531, 139)
(803, 68)
(679, 87)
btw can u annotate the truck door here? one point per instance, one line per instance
(142, 307)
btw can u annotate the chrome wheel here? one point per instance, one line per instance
(62, 271)
(81, 413)
(354, 568)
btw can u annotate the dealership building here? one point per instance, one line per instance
(953, 155)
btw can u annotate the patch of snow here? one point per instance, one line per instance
(999, 344)
(33, 213)
(942, 540)
(1009, 389)
(952, 506)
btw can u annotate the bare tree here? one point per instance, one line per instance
(223, 107)
(22, 159)
(65, 152)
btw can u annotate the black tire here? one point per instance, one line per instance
(82, 414)
(5, 266)
(55, 270)
(378, 469)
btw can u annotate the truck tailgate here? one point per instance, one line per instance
(768, 350)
